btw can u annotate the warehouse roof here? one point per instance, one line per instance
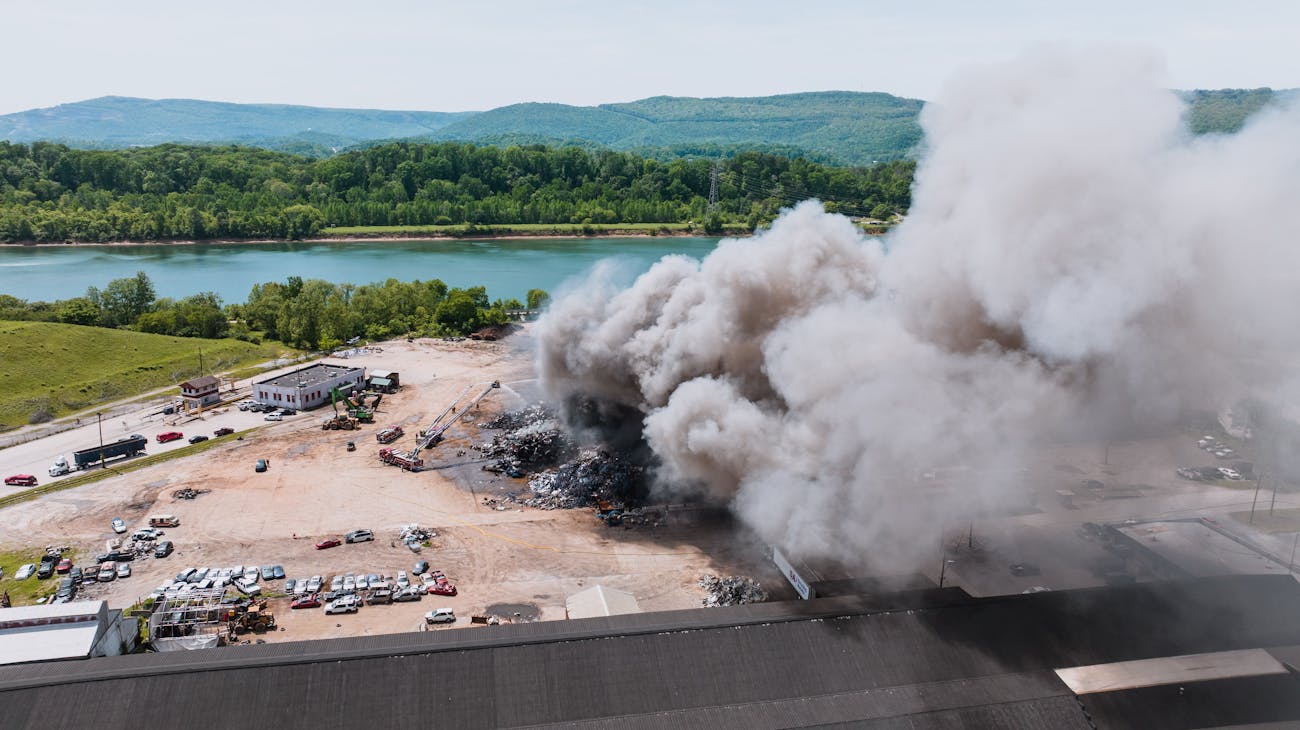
(312, 375)
(48, 632)
(916, 659)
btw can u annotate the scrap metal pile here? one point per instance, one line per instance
(188, 493)
(731, 591)
(594, 476)
(533, 439)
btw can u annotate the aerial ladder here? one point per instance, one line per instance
(426, 438)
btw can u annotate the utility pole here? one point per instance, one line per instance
(713, 186)
(1255, 500)
(99, 421)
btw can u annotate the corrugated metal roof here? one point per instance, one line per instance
(929, 659)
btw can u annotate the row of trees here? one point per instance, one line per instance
(49, 192)
(309, 314)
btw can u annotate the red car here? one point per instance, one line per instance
(21, 480)
(441, 586)
(64, 566)
(166, 436)
(328, 543)
(309, 601)
(223, 431)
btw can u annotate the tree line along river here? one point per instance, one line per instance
(508, 268)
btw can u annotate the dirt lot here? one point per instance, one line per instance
(315, 488)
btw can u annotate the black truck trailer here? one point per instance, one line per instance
(129, 446)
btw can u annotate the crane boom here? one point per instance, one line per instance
(433, 434)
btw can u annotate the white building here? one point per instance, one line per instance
(75, 630)
(307, 387)
(601, 601)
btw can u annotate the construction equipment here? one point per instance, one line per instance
(410, 460)
(390, 434)
(341, 421)
(255, 618)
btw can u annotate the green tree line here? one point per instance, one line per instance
(50, 192)
(304, 313)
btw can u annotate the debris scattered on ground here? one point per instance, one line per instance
(416, 537)
(731, 591)
(494, 332)
(189, 493)
(593, 477)
(533, 439)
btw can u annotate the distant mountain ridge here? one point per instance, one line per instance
(838, 127)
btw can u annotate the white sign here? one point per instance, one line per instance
(801, 586)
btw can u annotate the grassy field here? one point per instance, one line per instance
(64, 368)
(526, 229)
(25, 592)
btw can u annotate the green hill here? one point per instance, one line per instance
(116, 121)
(62, 368)
(848, 127)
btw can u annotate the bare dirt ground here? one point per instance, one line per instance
(315, 489)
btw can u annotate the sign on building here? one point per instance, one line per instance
(801, 586)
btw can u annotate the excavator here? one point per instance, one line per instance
(341, 421)
(428, 437)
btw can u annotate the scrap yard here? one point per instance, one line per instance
(289, 492)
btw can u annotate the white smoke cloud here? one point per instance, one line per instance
(1073, 261)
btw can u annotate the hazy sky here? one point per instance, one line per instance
(477, 54)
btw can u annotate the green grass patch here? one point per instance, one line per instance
(26, 592)
(527, 229)
(118, 467)
(52, 369)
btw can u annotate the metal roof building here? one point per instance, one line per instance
(306, 387)
(919, 659)
(73, 630)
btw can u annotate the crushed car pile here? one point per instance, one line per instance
(731, 591)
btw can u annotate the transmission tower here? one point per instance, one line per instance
(713, 186)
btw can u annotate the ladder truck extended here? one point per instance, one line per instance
(426, 438)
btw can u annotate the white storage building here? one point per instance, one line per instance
(75, 630)
(307, 387)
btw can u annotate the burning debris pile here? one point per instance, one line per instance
(595, 476)
(188, 493)
(731, 591)
(533, 439)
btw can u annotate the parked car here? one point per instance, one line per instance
(260, 466)
(244, 405)
(439, 585)
(359, 536)
(107, 571)
(184, 575)
(64, 566)
(336, 584)
(402, 580)
(344, 604)
(45, 571)
(76, 574)
(328, 543)
(163, 549)
(314, 583)
(247, 588)
(288, 412)
(410, 593)
(440, 616)
(118, 525)
(198, 438)
(273, 417)
(25, 572)
(124, 570)
(421, 567)
(21, 480)
(290, 586)
(146, 534)
(250, 574)
(166, 436)
(362, 582)
(67, 589)
(223, 431)
(311, 600)
(268, 573)
(277, 572)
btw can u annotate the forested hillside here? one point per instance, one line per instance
(50, 192)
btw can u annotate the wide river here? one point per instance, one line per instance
(507, 268)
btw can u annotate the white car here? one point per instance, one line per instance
(276, 417)
(336, 584)
(124, 570)
(402, 580)
(251, 575)
(25, 572)
(346, 604)
(362, 582)
(349, 584)
(313, 585)
(440, 616)
(118, 525)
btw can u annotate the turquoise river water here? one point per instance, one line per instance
(508, 268)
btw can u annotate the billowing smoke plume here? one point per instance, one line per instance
(1074, 265)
